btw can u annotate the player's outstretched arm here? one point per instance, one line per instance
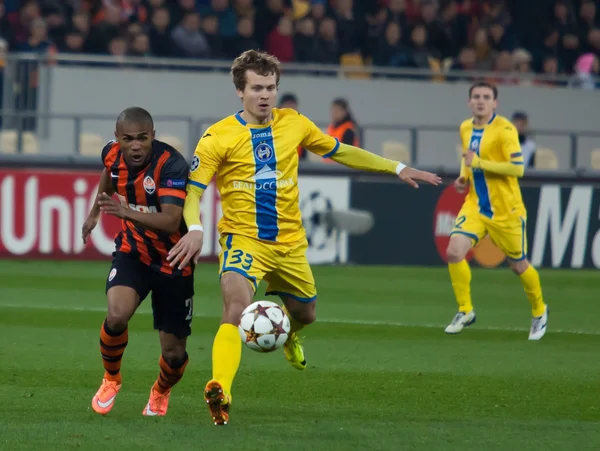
(105, 186)
(357, 158)
(188, 248)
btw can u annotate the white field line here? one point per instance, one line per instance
(319, 320)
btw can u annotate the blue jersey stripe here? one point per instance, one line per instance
(265, 184)
(481, 188)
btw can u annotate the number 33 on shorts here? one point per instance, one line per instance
(234, 259)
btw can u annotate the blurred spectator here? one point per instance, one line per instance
(501, 40)
(244, 8)
(225, 15)
(454, 28)
(6, 33)
(569, 50)
(280, 42)
(376, 25)
(328, 50)
(55, 18)
(593, 42)
(484, 56)
(73, 42)
(305, 40)
(343, 127)
(140, 45)
(216, 42)
(564, 19)
(107, 29)
(435, 34)
(586, 68)
(528, 146)
(161, 41)
(588, 18)
(549, 68)
(350, 27)
(189, 39)
(288, 100)
(391, 51)
(267, 19)
(467, 60)
(180, 9)
(396, 12)
(421, 53)
(20, 21)
(38, 41)
(317, 11)
(522, 63)
(154, 5)
(245, 38)
(504, 68)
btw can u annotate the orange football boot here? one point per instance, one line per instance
(104, 400)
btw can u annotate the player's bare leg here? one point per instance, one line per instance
(227, 348)
(300, 314)
(122, 303)
(530, 279)
(460, 275)
(173, 361)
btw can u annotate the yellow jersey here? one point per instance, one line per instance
(496, 196)
(257, 172)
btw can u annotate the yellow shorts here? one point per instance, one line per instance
(510, 236)
(284, 266)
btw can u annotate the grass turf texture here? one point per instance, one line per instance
(382, 374)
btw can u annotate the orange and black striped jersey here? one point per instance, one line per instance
(162, 181)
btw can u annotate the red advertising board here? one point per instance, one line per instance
(42, 212)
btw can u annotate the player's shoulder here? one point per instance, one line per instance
(466, 124)
(503, 124)
(287, 113)
(224, 130)
(172, 155)
(110, 149)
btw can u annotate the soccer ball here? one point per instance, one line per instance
(264, 326)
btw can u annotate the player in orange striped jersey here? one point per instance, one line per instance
(149, 178)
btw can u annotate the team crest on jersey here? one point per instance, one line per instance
(263, 152)
(195, 163)
(113, 273)
(149, 185)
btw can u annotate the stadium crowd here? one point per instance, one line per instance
(504, 36)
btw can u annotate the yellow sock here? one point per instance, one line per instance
(460, 275)
(533, 288)
(295, 326)
(226, 355)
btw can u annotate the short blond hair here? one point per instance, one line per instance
(260, 62)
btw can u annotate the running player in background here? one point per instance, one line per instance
(149, 178)
(490, 169)
(254, 155)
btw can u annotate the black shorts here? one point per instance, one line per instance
(172, 296)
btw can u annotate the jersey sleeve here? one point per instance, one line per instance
(206, 161)
(316, 141)
(173, 181)
(109, 154)
(511, 147)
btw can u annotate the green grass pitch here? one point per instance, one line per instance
(382, 374)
